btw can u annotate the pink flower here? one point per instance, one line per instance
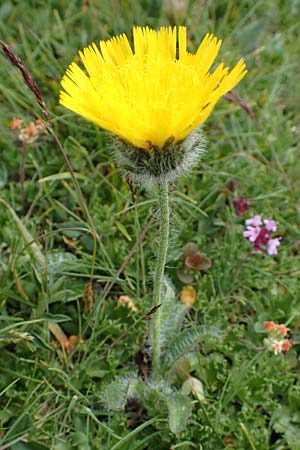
(281, 329)
(258, 232)
(281, 346)
(286, 345)
(277, 329)
(251, 233)
(274, 342)
(254, 221)
(241, 205)
(272, 246)
(277, 347)
(270, 224)
(262, 238)
(269, 326)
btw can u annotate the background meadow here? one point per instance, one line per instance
(65, 334)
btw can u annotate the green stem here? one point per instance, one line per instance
(164, 210)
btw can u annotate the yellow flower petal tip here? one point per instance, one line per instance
(156, 92)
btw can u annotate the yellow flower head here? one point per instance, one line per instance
(153, 95)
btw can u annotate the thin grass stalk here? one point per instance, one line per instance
(37, 253)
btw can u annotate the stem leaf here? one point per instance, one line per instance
(180, 408)
(187, 339)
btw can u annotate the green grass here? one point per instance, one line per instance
(54, 400)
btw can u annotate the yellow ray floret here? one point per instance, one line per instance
(153, 93)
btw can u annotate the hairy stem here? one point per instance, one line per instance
(164, 211)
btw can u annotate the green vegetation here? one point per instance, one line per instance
(69, 349)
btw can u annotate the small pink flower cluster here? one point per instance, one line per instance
(259, 231)
(241, 205)
(28, 134)
(275, 342)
